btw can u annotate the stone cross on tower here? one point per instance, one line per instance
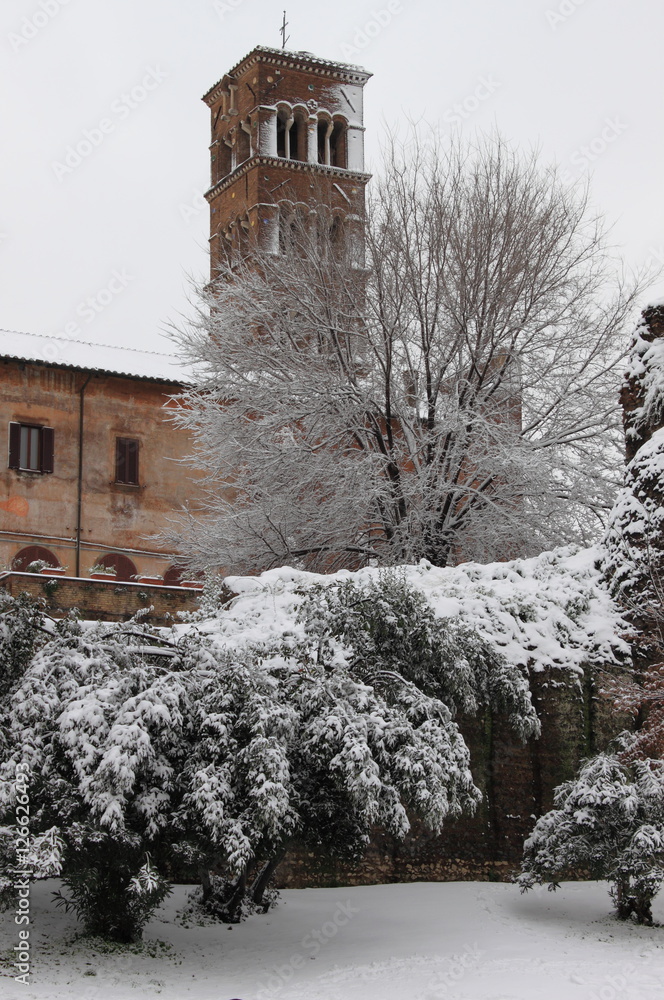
(287, 131)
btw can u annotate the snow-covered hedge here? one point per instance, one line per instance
(139, 748)
(551, 611)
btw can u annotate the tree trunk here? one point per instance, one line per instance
(263, 878)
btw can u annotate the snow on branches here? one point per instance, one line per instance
(549, 612)
(441, 383)
(608, 823)
(220, 753)
(634, 540)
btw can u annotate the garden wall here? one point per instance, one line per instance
(517, 782)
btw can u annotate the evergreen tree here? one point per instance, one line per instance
(607, 823)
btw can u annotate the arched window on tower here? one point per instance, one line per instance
(281, 135)
(222, 159)
(324, 132)
(338, 146)
(291, 135)
(298, 138)
(332, 143)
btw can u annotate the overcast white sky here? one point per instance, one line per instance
(583, 79)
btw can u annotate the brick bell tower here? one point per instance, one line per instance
(287, 137)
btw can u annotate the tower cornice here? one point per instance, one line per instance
(344, 72)
(297, 166)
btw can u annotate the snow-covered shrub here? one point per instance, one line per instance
(369, 679)
(389, 633)
(290, 745)
(634, 540)
(224, 754)
(608, 823)
(95, 728)
(40, 854)
(549, 613)
(108, 893)
(37, 565)
(100, 568)
(21, 622)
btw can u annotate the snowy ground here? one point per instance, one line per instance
(425, 941)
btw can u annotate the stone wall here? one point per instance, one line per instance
(101, 600)
(517, 781)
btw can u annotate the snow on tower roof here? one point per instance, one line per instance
(296, 60)
(65, 352)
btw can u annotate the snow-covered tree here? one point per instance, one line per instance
(455, 395)
(607, 823)
(634, 540)
(21, 625)
(93, 730)
(633, 546)
(143, 751)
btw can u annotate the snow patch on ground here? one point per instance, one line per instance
(424, 941)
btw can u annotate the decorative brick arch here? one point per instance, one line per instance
(125, 570)
(173, 576)
(30, 554)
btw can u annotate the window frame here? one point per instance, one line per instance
(124, 460)
(43, 463)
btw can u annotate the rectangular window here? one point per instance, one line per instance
(126, 461)
(31, 447)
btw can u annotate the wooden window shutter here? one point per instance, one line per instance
(120, 463)
(132, 461)
(14, 445)
(126, 461)
(47, 449)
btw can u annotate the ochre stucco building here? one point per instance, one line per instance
(93, 469)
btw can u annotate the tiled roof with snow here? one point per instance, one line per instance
(65, 352)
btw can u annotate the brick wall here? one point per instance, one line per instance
(517, 781)
(101, 600)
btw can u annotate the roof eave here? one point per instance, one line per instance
(294, 60)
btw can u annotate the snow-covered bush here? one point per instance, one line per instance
(370, 678)
(39, 854)
(389, 634)
(607, 823)
(321, 736)
(108, 893)
(102, 568)
(21, 623)
(95, 729)
(37, 565)
(219, 754)
(552, 612)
